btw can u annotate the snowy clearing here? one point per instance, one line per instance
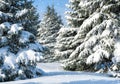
(54, 74)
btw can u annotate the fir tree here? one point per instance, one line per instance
(63, 47)
(49, 28)
(32, 24)
(73, 16)
(30, 21)
(19, 51)
(99, 35)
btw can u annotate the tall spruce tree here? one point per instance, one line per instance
(99, 35)
(32, 20)
(73, 16)
(29, 21)
(19, 51)
(63, 47)
(48, 30)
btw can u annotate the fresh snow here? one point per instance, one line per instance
(28, 55)
(5, 25)
(15, 28)
(25, 37)
(21, 13)
(54, 74)
(10, 61)
(35, 46)
(5, 15)
(3, 40)
(116, 58)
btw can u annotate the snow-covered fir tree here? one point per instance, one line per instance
(19, 51)
(63, 47)
(31, 22)
(48, 30)
(98, 36)
(73, 15)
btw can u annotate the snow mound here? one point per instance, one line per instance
(54, 74)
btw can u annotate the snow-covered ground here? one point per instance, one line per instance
(54, 74)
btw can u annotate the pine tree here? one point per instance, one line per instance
(73, 16)
(19, 52)
(63, 46)
(29, 21)
(32, 24)
(99, 35)
(48, 30)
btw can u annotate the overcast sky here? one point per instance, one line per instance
(58, 4)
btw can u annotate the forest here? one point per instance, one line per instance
(88, 44)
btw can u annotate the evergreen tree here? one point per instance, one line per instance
(19, 51)
(63, 47)
(32, 20)
(73, 16)
(48, 30)
(29, 21)
(99, 35)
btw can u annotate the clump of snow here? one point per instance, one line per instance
(15, 28)
(10, 61)
(85, 3)
(97, 56)
(71, 0)
(62, 54)
(8, 58)
(107, 7)
(106, 33)
(3, 40)
(20, 72)
(27, 56)
(5, 15)
(115, 68)
(65, 32)
(94, 18)
(116, 58)
(85, 53)
(21, 13)
(97, 30)
(5, 26)
(26, 37)
(35, 46)
(92, 41)
(4, 50)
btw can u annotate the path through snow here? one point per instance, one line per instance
(54, 74)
